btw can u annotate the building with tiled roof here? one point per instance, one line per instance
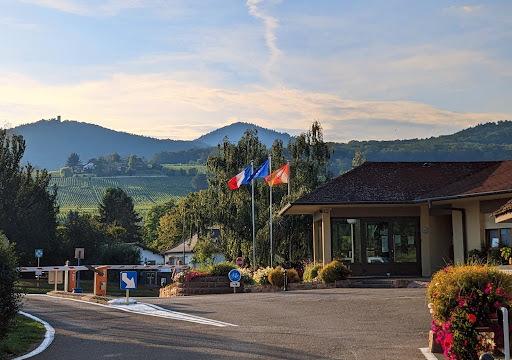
(408, 218)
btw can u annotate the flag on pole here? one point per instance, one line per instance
(262, 172)
(280, 176)
(241, 178)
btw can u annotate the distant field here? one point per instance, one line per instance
(83, 194)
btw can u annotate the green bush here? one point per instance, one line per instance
(9, 294)
(292, 275)
(261, 275)
(334, 271)
(221, 269)
(311, 272)
(276, 276)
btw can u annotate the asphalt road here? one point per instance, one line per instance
(316, 324)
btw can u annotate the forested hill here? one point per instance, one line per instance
(236, 130)
(490, 141)
(50, 142)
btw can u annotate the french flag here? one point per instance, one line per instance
(242, 178)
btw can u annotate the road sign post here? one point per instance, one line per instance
(79, 254)
(39, 255)
(128, 282)
(239, 262)
(235, 276)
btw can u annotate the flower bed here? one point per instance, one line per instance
(464, 301)
(199, 285)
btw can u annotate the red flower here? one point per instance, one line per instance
(447, 341)
(472, 318)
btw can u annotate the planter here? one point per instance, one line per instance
(200, 286)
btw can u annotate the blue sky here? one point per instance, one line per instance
(378, 69)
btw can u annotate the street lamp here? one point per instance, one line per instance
(352, 222)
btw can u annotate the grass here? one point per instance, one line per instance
(26, 335)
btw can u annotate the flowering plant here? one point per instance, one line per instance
(463, 298)
(192, 275)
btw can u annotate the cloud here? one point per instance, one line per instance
(160, 106)
(92, 7)
(271, 23)
(17, 23)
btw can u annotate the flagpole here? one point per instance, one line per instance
(253, 224)
(271, 247)
(289, 178)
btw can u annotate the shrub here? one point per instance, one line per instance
(9, 294)
(191, 275)
(311, 272)
(276, 276)
(261, 275)
(247, 276)
(292, 275)
(334, 271)
(221, 269)
(463, 297)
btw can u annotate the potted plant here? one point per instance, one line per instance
(505, 253)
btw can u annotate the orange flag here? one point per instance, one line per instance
(280, 176)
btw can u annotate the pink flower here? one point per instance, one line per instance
(496, 304)
(471, 318)
(447, 341)
(499, 291)
(446, 269)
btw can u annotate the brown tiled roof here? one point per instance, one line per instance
(407, 182)
(507, 207)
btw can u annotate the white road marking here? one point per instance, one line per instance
(153, 310)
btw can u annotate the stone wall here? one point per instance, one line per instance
(200, 286)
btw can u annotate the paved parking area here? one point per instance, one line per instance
(336, 323)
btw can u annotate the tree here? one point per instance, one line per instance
(73, 161)
(27, 209)
(82, 231)
(152, 223)
(66, 171)
(116, 208)
(9, 296)
(359, 158)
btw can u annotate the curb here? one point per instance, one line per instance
(48, 337)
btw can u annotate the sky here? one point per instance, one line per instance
(381, 70)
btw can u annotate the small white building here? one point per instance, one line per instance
(149, 256)
(185, 251)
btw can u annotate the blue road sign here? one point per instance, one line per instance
(234, 275)
(39, 253)
(128, 280)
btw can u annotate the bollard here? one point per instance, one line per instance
(486, 356)
(506, 347)
(285, 282)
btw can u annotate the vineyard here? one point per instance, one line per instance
(83, 194)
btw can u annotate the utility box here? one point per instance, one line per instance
(100, 281)
(72, 280)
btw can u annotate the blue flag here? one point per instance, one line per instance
(262, 172)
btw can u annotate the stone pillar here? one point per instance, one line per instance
(326, 237)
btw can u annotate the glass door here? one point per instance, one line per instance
(377, 242)
(392, 247)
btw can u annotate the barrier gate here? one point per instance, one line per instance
(100, 273)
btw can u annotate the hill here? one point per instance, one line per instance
(235, 131)
(50, 142)
(490, 141)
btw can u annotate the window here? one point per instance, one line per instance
(497, 238)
